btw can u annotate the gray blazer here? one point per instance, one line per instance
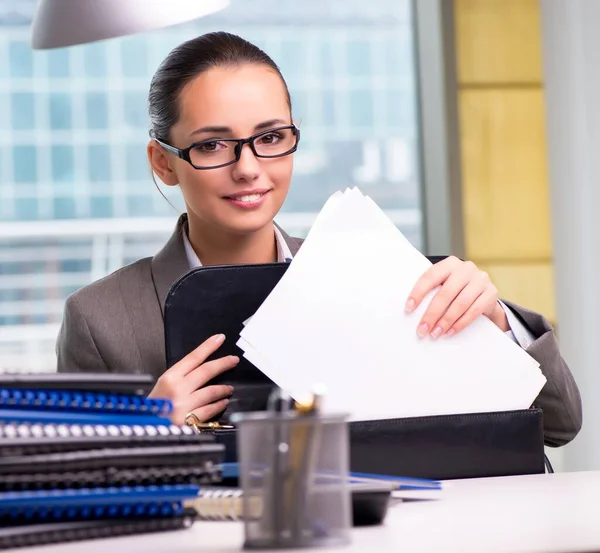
(116, 324)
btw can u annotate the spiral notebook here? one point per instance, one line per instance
(107, 478)
(107, 383)
(164, 465)
(95, 402)
(86, 457)
(29, 438)
(79, 417)
(62, 532)
(93, 503)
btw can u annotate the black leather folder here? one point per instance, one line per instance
(219, 299)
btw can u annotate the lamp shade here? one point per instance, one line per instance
(59, 23)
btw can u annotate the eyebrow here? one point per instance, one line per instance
(261, 126)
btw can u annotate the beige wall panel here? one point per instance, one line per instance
(505, 186)
(498, 41)
(529, 284)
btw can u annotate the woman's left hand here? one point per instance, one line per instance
(465, 293)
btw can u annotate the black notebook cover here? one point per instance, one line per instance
(218, 299)
(110, 383)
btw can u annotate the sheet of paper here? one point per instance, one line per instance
(337, 318)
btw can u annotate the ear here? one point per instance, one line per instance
(161, 164)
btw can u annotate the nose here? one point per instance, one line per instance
(248, 166)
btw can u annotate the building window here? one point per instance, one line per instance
(75, 130)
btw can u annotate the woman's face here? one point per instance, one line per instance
(230, 102)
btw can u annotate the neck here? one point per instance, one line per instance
(215, 247)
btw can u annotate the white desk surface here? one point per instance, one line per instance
(543, 513)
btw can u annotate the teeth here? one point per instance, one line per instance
(248, 198)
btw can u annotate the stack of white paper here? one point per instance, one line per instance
(337, 318)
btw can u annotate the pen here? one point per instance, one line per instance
(303, 452)
(397, 482)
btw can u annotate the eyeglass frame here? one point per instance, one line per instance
(184, 153)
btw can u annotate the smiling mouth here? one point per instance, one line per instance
(247, 198)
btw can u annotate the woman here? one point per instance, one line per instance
(222, 130)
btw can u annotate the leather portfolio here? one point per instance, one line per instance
(219, 299)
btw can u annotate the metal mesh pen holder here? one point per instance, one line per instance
(294, 477)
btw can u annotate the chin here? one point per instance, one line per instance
(253, 220)
(247, 224)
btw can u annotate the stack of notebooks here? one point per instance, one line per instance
(90, 456)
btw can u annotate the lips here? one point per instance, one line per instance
(247, 198)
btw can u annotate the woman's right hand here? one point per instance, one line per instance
(184, 383)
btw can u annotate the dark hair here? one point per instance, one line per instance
(189, 60)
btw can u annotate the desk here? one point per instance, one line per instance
(544, 513)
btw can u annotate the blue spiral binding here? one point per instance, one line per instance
(84, 512)
(93, 503)
(83, 401)
(53, 416)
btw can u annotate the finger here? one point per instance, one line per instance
(209, 411)
(442, 300)
(199, 376)
(476, 309)
(208, 395)
(432, 277)
(462, 302)
(198, 356)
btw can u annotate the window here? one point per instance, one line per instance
(23, 116)
(60, 110)
(74, 132)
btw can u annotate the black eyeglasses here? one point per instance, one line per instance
(220, 152)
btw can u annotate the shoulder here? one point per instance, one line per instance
(108, 291)
(98, 329)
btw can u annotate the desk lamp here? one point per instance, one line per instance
(59, 23)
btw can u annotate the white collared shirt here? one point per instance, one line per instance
(283, 250)
(518, 332)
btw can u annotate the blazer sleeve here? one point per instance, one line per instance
(559, 399)
(76, 350)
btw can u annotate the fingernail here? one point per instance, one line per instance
(235, 359)
(410, 305)
(437, 332)
(451, 332)
(422, 330)
(219, 338)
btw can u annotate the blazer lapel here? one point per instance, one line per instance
(167, 266)
(170, 263)
(293, 243)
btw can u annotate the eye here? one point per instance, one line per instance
(270, 138)
(211, 146)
